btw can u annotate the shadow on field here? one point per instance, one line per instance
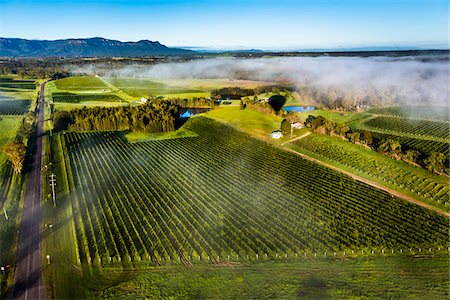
(313, 287)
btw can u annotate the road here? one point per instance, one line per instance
(28, 273)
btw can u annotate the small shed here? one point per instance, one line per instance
(276, 134)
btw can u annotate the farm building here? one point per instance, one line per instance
(276, 134)
(297, 125)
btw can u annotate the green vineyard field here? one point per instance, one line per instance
(10, 83)
(429, 187)
(10, 106)
(416, 128)
(224, 193)
(423, 145)
(77, 98)
(432, 113)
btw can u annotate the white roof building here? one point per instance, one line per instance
(276, 134)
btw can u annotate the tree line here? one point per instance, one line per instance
(435, 162)
(237, 92)
(16, 150)
(186, 102)
(158, 116)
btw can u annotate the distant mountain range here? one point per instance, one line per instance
(91, 47)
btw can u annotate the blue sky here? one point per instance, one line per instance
(263, 24)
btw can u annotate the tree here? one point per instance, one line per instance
(354, 137)
(242, 105)
(368, 139)
(435, 162)
(343, 130)
(277, 102)
(412, 155)
(16, 154)
(285, 127)
(330, 127)
(390, 146)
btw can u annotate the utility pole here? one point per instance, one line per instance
(292, 129)
(52, 184)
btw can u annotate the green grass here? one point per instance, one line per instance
(134, 137)
(391, 277)
(145, 87)
(82, 84)
(250, 121)
(337, 116)
(11, 194)
(211, 84)
(63, 275)
(414, 181)
(70, 106)
(176, 88)
(8, 130)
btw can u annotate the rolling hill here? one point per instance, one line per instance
(90, 47)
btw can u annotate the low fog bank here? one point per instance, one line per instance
(330, 81)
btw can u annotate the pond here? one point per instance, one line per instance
(299, 108)
(189, 112)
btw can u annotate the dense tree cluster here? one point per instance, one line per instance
(231, 93)
(238, 92)
(390, 147)
(151, 117)
(16, 150)
(188, 103)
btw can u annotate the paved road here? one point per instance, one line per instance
(27, 277)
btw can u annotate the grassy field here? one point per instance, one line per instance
(416, 182)
(145, 87)
(134, 137)
(71, 93)
(82, 84)
(337, 116)
(250, 121)
(389, 277)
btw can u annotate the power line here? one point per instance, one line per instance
(53, 184)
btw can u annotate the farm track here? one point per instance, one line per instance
(371, 183)
(297, 138)
(28, 272)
